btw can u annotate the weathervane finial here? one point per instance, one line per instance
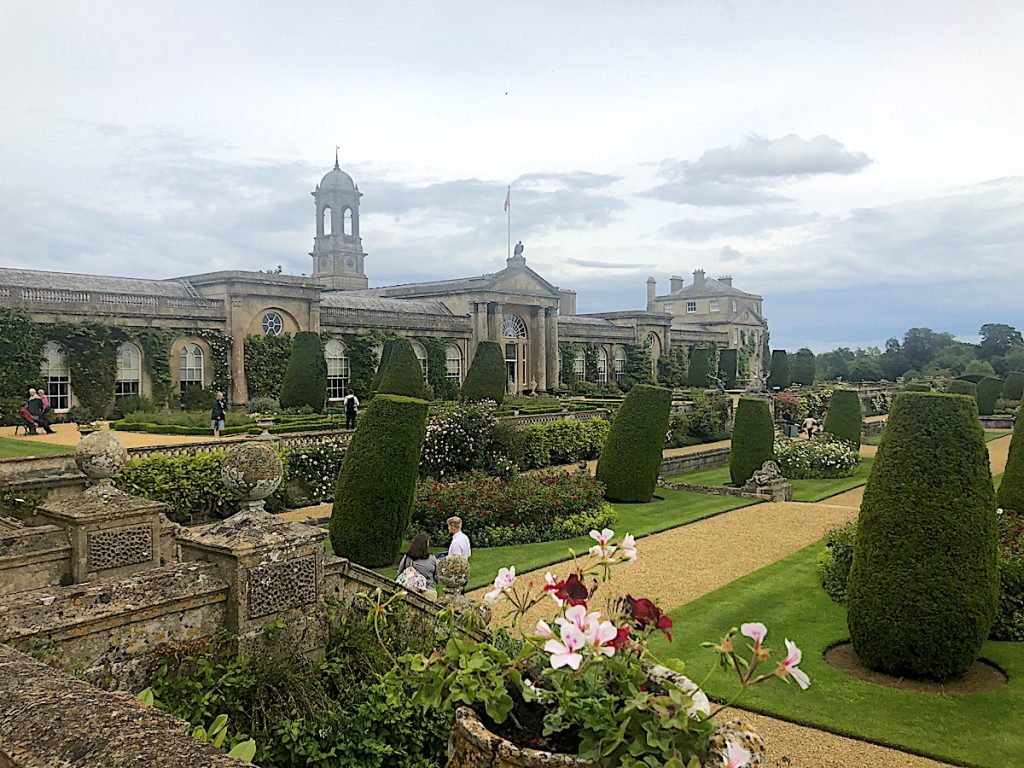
(336, 166)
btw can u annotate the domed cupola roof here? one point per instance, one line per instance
(337, 179)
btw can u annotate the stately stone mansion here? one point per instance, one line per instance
(514, 306)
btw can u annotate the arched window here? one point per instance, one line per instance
(273, 324)
(347, 221)
(421, 355)
(579, 365)
(327, 221)
(453, 363)
(513, 327)
(57, 374)
(602, 366)
(129, 370)
(337, 369)
(655, 342)
(190, 366)
(619, 362)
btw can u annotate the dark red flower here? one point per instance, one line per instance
(645, 613)
(571, 590)
(621, 638)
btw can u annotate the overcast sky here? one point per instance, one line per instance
(859, 164)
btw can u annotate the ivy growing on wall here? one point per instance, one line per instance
(220, 345)
(590, 352)
(638, 365)
(266, 360)
(92, 359)
(156, 358)
(437, 368)
(567, 364)
(362, 360)
(21, 343)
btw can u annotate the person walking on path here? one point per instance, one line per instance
(351, 408)
(460, 541)
(36, 407)
(218, 413)
(809, 426)
(420, 560)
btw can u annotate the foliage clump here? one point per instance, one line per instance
(305, 381)
(1013, 389)
(753, 439)
(802, 367)
(374, 493)
(778, 376)
(1011, 489)
(727, 367)
(961, 387)
(382, 364)
(835, 560)
(922, 591)
(989, 390)
(403, 374)
(486, 377)
(701, 360)
(845, 418)
(629, 464)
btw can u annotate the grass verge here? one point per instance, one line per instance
(12, 448)
(976, 729)
(803, 490)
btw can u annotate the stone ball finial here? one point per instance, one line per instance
(453, 573)
(100, 455)
(252, 471)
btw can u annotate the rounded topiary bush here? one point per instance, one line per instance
(377, 481)
(802, 367)
(630, 461)
(305, 380)
(403, 374)
(486, 377)
(700, 367)
(728, 367)
(961, 387)
(1011, 489)
(844, 415)
(1013, 389)
(753, 439)
(779, 371)
(385, 355)
(923, 586)
(989, 390)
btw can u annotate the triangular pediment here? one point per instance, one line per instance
(523, 280)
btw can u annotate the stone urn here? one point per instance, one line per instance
(265, 423)
(100, 455)
(472, 745)
(251, 472)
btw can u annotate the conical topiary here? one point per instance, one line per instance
(385, 355)
(961, 387)
(727, 367)
(778, 378)
(989, 390)
(630, 461)
(923, 587)
(700, 367)
(486, 377)
(373, 495)
(753, 439)
(1011, 489)
(801, 369)
(305, 380)
(403, 374)
(844, 417)
(1013, 389)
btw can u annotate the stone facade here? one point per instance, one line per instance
(514, 306)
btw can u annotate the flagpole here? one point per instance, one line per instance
(508, 196)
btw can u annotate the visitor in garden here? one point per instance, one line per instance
(460, 541)
(423, 565)
(810, 426)
(217, 414)
(351, 407)
(38, 410)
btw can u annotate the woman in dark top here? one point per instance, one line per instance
(419, 557)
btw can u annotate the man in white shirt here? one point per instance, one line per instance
(460, 541)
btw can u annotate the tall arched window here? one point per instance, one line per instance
(655, 342)
(337, 369)
(57, 374)
(346, 225)
(421, 355)
(513, 330)
(129, 370)
(513, 327)
(190, 366)
(602, 366)
(453, 363)
(619, 362)
(327, 221)
(579, 365)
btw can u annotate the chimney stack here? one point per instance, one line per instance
(727, 279)
(698, 278)
(651, 282)
(677, 283)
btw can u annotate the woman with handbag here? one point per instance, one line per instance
(417, 569)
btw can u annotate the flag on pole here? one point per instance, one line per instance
(508, 199)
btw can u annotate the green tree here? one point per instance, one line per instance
(923, 587)
(374, 493)
(305, 380)
(639, 365)
(893, 362)
(921, 344)
(753, 439)
(1014, 387)
(485, 379)
(979, 368)
(672, 368)
(802, 367)
(778, 377)
(403, 374)
(630, 461)
(961, 387)
(998, 339)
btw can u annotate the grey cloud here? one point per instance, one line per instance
(570, 179)
(702, 230)
(713, 193)
(606, 264)
(730, 254)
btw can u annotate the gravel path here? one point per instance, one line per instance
(68, 434)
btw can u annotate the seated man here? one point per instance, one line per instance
(460, 541)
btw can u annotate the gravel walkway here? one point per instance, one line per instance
(68, 434)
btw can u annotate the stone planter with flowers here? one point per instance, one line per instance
(584, 691)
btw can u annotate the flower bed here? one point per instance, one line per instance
(563, 442)
(536, 507)
(822, 457)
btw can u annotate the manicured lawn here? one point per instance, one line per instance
(677, 508)
(980, 729)
(990, 435)
(11, 448)
(803, 490)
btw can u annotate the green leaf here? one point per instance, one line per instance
(244, 751)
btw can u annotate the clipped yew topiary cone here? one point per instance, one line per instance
(1011, 489)
(923, 586)
(486, 377)
(1013, 389)
(382, 365)
(305, 379)
(728, 367)
(403, 374)
(697, 375)
(778, 376)
(845, 418)
(753, 439)
(989, 390)
(374, 492)
(961, 387)
(631, 458)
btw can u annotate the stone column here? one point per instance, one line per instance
(538, 347)
(551, 347)
(494, 310)
(479, 328)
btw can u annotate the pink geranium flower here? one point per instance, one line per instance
(627, 548)
(788, 666)
(736, 756)
(567, 652)
(756, 632)
(603, 550)
(544, 630)
(502, 584)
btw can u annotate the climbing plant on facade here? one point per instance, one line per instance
(266, 360)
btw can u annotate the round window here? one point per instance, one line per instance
(350, 263)
(272, 324)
